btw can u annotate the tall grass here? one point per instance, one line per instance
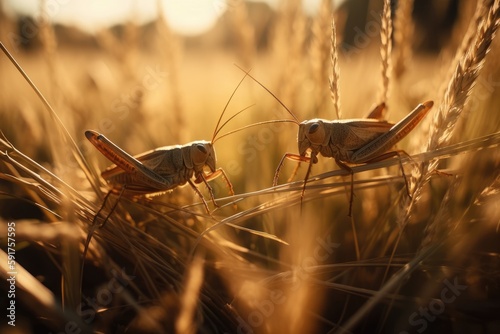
(277, 263)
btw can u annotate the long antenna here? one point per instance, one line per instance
(257, 124)
(272, 94)
(228, 120)
(217, 129)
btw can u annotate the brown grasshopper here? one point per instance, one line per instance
(164, 168)
(161, 169)
(350, 141)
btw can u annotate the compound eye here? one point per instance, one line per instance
(314, 127)
(201, 148)
(199, 154)
(316, 133)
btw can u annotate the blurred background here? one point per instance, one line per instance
(146, 73)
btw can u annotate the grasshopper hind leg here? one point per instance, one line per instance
(94, 225)
(294, 157)
(399, 154)
(407, 185)
(120, 194)
(351, 196)
(205, 178)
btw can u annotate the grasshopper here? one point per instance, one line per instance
(349, 141)
(164, 168)
(161, 169)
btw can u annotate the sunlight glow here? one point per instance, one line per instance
(193, 16)
(186, 17)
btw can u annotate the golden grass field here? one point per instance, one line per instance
(264, 260)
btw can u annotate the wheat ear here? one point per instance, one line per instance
(458, 92)
(477, 44)
(464, 75)
(334, 80)
(386, 48)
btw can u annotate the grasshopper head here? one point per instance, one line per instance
(203, 153)
(312, 135)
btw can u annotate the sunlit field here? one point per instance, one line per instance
(82, 252)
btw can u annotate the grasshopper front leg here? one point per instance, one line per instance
(200, 195)
(202, 177)
(220, 172)
(300, 158)
(291, 156)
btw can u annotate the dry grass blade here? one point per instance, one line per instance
(491, 141)
(492, 191)
(481, 191)
(489, 199)
(389, 287)
(38, 297)
(184, 323)
(316, 191)
(67, 137)
(51, 187)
